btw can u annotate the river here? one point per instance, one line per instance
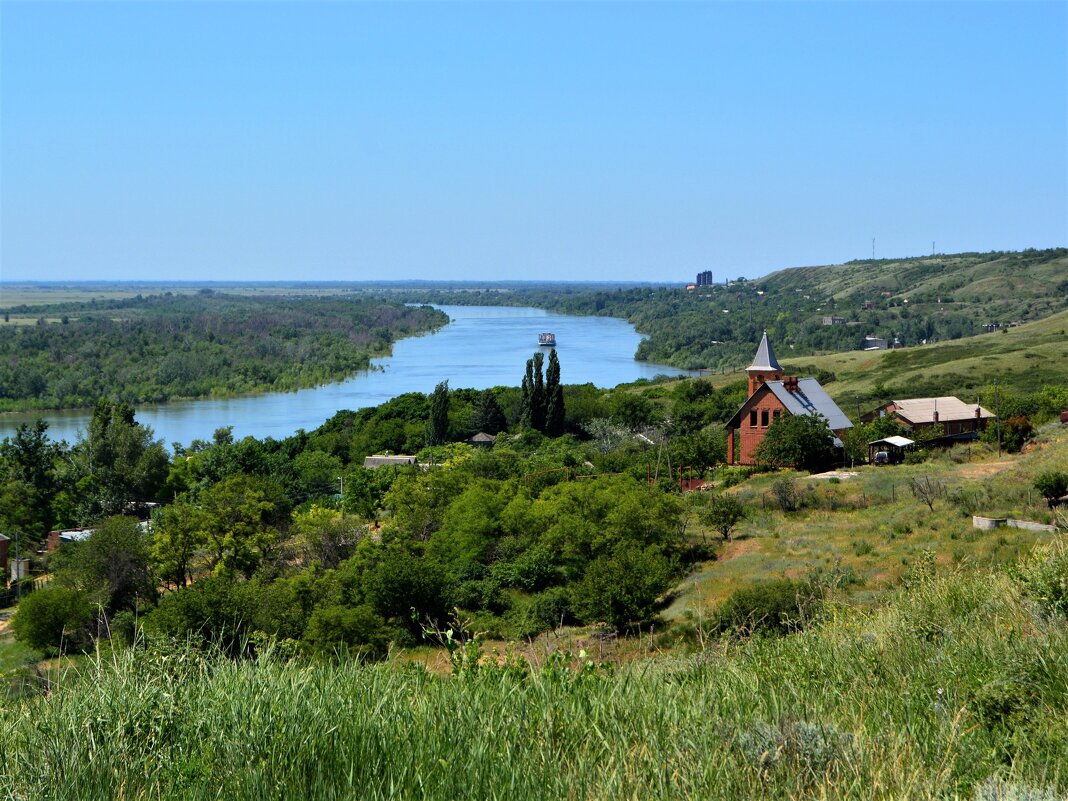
(482, 346)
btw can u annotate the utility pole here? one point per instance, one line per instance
(873, 248)
(997, 413)
(342, 480)
(18, 568)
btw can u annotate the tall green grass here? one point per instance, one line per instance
(956, 688)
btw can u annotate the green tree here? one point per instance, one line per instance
(29, 483)
(326, 536)
(623, 588)
(241, 519)
(358, 631)
(723, 513)
(54, 618)
(797, 440)
(534, 399)
(118, 462)
(112, 567)
(486, 414)
(437, 431)
(178, 541)
(537, 394)
(317, 474)
(1052, 485)
(778, 607)
(554, 398)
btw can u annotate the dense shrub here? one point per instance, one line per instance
(775, 607)
(1052, 485)
(545, 611)
(53, 618)
(623, 588)
(356, 630)
(1045, 577)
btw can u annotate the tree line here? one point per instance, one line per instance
(152, 349)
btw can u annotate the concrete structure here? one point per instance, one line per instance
(833, 320)
(5, 543)
(916, 414)
(704, 278)
(379, 460)
(771, 395)
(874, 343)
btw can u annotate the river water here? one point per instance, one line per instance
(482, 346)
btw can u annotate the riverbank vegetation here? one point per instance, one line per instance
(163, 347)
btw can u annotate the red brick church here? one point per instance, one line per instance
(771, 395)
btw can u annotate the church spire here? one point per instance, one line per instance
(765, 357)
(765, 366)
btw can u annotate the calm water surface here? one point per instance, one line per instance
(482, 346)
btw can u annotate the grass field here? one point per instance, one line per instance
(871, 529)
(955, 689)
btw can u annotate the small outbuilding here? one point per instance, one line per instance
(482, 440)
(895, 449)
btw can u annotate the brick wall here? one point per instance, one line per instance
(752, 430)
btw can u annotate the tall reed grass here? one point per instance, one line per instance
(955, 689)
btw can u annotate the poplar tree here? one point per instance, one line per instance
(437, 430)
(554, 394)
(537, 395)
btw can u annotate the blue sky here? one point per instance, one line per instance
(358, 141)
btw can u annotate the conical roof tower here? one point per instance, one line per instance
(765, 366)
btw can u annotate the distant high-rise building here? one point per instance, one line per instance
(705, 278)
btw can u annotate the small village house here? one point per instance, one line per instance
(771, 395)
(960, 420)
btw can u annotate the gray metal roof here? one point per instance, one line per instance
(765, 357)
(810, 398)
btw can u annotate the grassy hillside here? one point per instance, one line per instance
(1022, 359)
(867, 530)
(1025, 359)
(1004, 286)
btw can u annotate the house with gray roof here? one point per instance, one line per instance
(772, 395)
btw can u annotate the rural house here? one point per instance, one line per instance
(771, 395)
(959, 419)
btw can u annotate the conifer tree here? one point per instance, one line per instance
(487, 414)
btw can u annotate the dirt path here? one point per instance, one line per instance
(982, 469)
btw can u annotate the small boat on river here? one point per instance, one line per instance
(547, 340)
